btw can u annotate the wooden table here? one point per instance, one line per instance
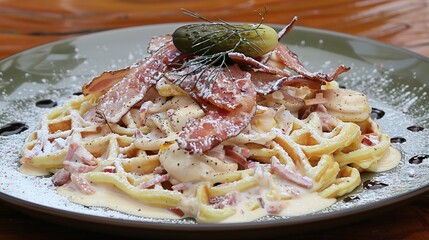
(404, 23)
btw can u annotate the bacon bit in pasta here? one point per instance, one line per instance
(237, 154)
(81, 154)
(254, 164)
(109, 169)
(82, 184)
(159, 170)
(167, 185)
(219, 202)
(183, 186)
(329, 122)
(58, 144)
(177, 211)
(289, 175)
(274, 207)
(366, 141)
(77, 167)
(144, 108)
(157, 179)
(61, 177)
(370, 140)
(138, 134)
(85, 156)
(71, 151)
(318, 99)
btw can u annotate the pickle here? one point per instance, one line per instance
(253, 40)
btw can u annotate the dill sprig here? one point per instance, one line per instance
(220, 34)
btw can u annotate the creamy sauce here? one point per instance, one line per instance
(27, 169)
(390, 160)
(110, 197)
(307, 203)
(247, 208)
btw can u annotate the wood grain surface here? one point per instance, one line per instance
(404, 23)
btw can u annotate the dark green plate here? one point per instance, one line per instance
(394, 79)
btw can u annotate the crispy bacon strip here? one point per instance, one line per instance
(104, 82)
(201, 135)
(280, 35)
(241, 58)
(268, 79)
(139, 78)
(286, 29)
(291, 60)
(209, 85)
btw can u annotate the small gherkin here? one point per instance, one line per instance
(252, 40)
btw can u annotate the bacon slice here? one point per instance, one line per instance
(139, 78)
(280, 35)
(241, 58)
(268, 79)
(157, 42)
(203, 134)
(291, 60)
(210, 84)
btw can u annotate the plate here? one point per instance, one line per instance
(395, 81)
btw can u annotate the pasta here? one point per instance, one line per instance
(307, 140)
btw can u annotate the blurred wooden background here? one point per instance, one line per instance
(24, 24)
(404, 23)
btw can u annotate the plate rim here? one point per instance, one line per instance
(283, 222)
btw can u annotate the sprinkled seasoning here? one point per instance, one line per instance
(418, 158)
(13, 128)
(46, 103)
(351, 198)
(415, 128)
(398, 140)
(372, 184)
(377, 113)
